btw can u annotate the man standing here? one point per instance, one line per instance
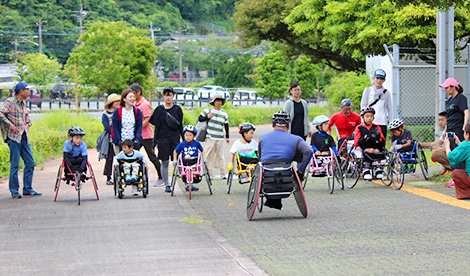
(147, 130)
(345, 121)
(15, 123)
(380, 99)
(218, 121)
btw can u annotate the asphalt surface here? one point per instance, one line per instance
(368, 230)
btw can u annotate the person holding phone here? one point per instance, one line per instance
(457, 156)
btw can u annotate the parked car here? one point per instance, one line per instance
(208, 91)
(59, 91)
(247, 97)
(185, 95)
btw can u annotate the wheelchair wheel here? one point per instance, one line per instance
(260, 203)
(304, 183)
(299, 195)
(423, 163)
(388, 172)
(254, 192)
(331, 178)
(145, 189)
(229, 181)
(208, 177)
(338, 173)
(400, 171)
(78, 186)
(93, 180)
(354, 170)
(173, 180)
(116, 180)
(58, 180)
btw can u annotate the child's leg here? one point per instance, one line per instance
(135, 168)
(126, 167)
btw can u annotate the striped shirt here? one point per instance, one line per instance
(215, 126)
(13, 113)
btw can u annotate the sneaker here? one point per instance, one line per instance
(127, 177)
(109, 182)
(367, 175)
(193, 188)
(34, 193)
(451, 183)
(223, 176)
(16, 196)
(445, 171)
(167, 189)
(135, 192)
(244, 178)
(379, 174)
(134, 178)
(159, 183)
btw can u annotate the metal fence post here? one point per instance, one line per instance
(396, 82)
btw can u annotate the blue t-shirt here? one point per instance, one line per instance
(189, 149)
(75, 151)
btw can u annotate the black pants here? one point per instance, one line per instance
(384, 130)
(147, 143)
(74, 164)
(108, 166)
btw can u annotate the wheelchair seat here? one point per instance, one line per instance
(278, 179)
(189, 161)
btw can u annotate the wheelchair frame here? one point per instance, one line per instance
(75, 183)
(200, 168)
(120, 183)
(411, 158)
(248, 170)
(255, 192)
(331, 166)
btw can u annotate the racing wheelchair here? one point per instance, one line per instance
(326, 165)
(245, 167)
(406, 162)
(77, 179)
(276, 179)
(120, 183)
(190, 171)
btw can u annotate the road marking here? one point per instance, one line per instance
(430, 194)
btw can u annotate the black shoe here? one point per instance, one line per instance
(34, 193)
(16, 196)
(273, 203)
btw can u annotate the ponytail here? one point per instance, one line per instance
(459, 89)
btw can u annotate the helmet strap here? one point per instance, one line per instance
(243, 136)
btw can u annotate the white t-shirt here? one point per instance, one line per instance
(383, 108)
(128, 124)
(246, 150)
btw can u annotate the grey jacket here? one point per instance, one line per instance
(289, 108)
(102, 145)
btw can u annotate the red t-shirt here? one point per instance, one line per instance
(344, 125)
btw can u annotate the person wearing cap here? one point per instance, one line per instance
(345, 121)
(457, 109)
(380, 99)
(15, 123)
(168, 122)
(147, 130)
(217, 121)
(111, 104)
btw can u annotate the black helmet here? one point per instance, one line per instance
(367, 109)
(281, 118)
(76, 130)
(245, 127)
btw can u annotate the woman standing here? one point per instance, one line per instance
(107, 121)
(298, 111)
(127, 122)
(457, 108)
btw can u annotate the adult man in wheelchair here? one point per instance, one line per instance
(280, 147)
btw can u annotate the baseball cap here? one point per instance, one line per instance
(20, 86)
(379, 73)
(169, 88)
(449, 82)
(346, 102)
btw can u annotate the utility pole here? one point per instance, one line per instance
(181, 57)
(81, 13)
(39, 23)
(15, 43)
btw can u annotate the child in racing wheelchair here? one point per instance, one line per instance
(401, 141)
(131, 169)
(369, 137)
(321, 141)
(246, 148)
(189, 149)
(75, 154)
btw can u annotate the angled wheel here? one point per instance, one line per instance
(338, 173)
(387, 180)
(116, 180)
(352, 170)
(299, 195)
(93, 180)
(145, 189)
(173, 180)
(399, 179)
(304, 183)
(253, 192)
(229, 181)
(423, 163)
(331, 178)
(208, 177)
(260, 203)
(58, 180)
(78, 186)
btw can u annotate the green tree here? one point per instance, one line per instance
(112, 56)
(347, 85)
(273, 77)
(235, 72)
(37, 68)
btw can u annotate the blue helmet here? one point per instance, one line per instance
(190, 128)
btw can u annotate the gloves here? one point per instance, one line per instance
(397, 147)
(373, 135)
(230, 167)
(175, 162)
